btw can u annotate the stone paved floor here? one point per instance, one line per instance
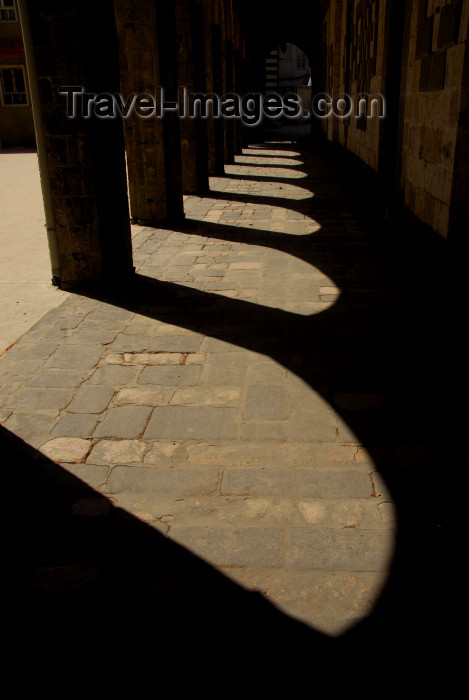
(246, 399)
(26, 292)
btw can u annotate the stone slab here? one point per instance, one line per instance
(124, 422)
(192, 422)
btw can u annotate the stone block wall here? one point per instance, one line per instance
(366, 76)
(359, 54)
(431, 84)
(355, 59)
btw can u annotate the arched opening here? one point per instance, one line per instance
(286, 68)
(288, 72)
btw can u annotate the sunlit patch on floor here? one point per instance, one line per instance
(256, 189)
(248, 159)
(266, 153)
(244, 270)
(259, 217)
(260, 171)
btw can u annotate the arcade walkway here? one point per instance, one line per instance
(262, 411)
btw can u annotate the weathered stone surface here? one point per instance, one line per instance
(110, 313)
(169, 376)
(130, 343)
(190, 422)
(92, 474)
(233, 547)
(114, 375)
(124, 422)
(271, 430)
(95, 336)
(224, 368)
(57, 378)
(265, 402)
(139, 396)
(33, 428)
(66, 449)
(265, 372)
(350, 549)
(18, 370)
(24, 350)
(305, 482)
(77, 356)
(175, 343)
(175, 482)
(318, 426)
(91, 399)
(76, 425)
(340, 513)
(154, 358)
(257, 482)
(331, 602)
(229, 453)
(207, 396)
(117, 452)
(35, 398)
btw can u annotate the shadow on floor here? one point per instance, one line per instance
(97, 591)
(102, 593)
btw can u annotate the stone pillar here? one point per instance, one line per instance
(230, 84)
(218, 83)
(209, 83)
(191, 76)
(335, 39)
(153, 157)
(200, 46)
(238, 72)
(83, 162)
(224, 76)
(167, 44)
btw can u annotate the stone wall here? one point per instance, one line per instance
(360, 53)
(366, 76)
(355, 64)
(432, 91)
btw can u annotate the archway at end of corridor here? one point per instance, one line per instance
(288, 74)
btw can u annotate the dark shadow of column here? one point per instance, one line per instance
(138, 601)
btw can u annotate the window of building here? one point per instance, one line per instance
(13, 86)
(8, 11)
(301, 61)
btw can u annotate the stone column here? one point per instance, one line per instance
(335, 39)
(200, 48)
(230, 84)
(209, 83)
(153, 158)
(191, 76)
(167, 51)
(224, 75)
(238, 72)
(83, 162)
(218, 83)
